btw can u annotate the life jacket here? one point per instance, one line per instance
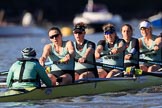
(23, 60)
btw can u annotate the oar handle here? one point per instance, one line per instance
(108, 55)
(53, 62)
(48, 63)
(144, 52)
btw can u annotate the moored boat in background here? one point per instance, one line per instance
(96, 15)
(156, 20)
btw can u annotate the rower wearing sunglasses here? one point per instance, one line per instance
(61, 53)
(84, 51)
(111, 50)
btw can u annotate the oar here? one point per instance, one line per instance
(104, 79)
(151, 62)
(114, 55)
(3, 73)
(3, 85)
(157, 74)
(105, 65)
(144, 52)
(108, 55)
(48, 63)
(3, 80)
(52, 62)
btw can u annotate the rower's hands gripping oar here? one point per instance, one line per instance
(156, 47)
(61, 61)
(149, 61)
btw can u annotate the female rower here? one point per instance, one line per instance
(62, 54)
(152, 43)
(111, 45)
(132, 47)
(84, 51)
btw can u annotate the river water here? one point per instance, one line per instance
(10, 50)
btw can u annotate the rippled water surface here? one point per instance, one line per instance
(10, 50)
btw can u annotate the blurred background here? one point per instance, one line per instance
(26, 22)
(45, 13)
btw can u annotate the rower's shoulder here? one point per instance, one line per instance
(69, 42)
(48, 45)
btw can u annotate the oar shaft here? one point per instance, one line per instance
(151, 62)
(53, 62)
(3, 85)
(157, 74)
(3, 80)
(48, 63)
(144, 52)
(3, 73)
(108, 55)
(105, 65)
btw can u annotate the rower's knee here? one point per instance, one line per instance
(53, 79)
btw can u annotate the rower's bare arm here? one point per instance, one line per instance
(98, 51)
(140, 43)
(135, 43)
(121, 48)
(89, 50)
(45, 54)
(70, 49)
(158, 44)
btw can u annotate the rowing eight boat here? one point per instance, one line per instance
(88, 86)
